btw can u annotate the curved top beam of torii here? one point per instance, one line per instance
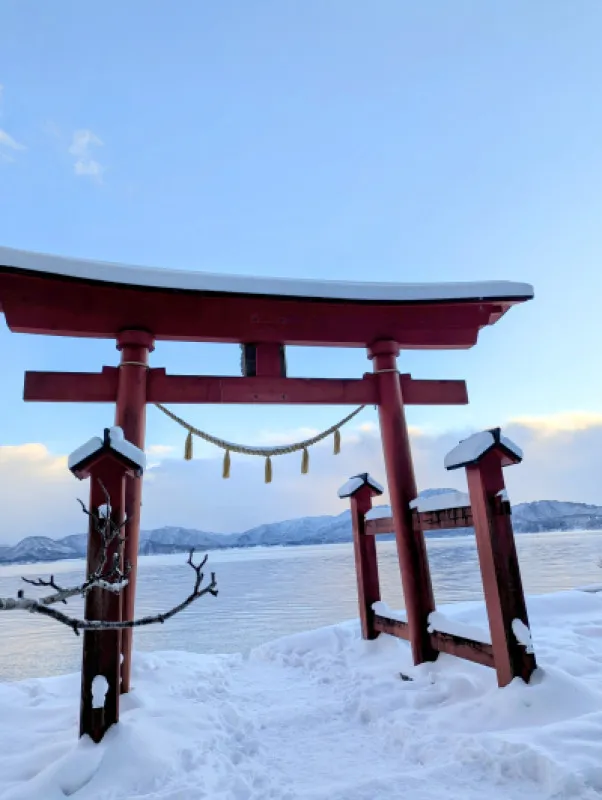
(70, 297)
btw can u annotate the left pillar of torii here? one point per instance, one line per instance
(130, 415)
(109, 462)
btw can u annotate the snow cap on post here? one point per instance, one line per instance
(442, 501)
(472, 450)
(112, 443)
(354, 484)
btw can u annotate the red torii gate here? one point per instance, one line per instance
(66, 297)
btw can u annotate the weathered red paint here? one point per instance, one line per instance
(102, 649)
(366, 563)
(425, 521)
(392, 627)
(411, 548)
(419, 392)
(56, 305)
(443, 519)
(381, 525)
(268, 360)
(468, 649)
(130, 415)
(101, 387)
(458, 646)
(502, 584)
(71, 387)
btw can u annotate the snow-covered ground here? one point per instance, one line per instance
(326, 715)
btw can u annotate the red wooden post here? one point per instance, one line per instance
(360, 490)
(130, 415)
(102, 649)
(502, 584)
(107, 462)
(270, 360)
(411, 547)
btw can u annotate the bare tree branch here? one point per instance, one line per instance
(106, 577)
(23, 603)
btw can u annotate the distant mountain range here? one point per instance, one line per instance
(543, 515)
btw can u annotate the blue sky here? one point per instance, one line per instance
(387, 141)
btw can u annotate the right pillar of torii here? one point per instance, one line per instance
(411, 547)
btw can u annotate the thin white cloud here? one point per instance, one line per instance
(6, 140)
(561, 421)
(91, 168)
(8, 144)
(282, 438)
(39, 494)
(159, 449)
(82, 146)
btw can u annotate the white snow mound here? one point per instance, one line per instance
(326, 716)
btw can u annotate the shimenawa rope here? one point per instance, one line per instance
(265, 452)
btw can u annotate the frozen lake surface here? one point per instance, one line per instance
(266, 593)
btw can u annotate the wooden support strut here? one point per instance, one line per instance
(366, 563)
(504, 596)
(502, 584)
(130, 415)
(453, 645)
(411, 547)
(443, 519)
(102, 649)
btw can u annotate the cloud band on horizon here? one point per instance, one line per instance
(37, 493)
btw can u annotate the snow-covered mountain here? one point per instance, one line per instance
(543, 515)
(553, 515)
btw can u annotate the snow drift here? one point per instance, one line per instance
(327, 716)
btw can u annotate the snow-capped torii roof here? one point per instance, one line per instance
(113, 440)
(56, 296)
(471, 451)
(184, 280)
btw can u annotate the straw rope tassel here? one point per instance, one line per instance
(337, 442)
(264, 452)
(226, 469)
(188, 447)
(305, 461)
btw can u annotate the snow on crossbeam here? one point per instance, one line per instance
(112, 441)
(441, 624)
(440, 502)
(380, 512)
(354, 484)
(470, 451)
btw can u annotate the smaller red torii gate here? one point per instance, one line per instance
(50, 295)
(487, 509)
